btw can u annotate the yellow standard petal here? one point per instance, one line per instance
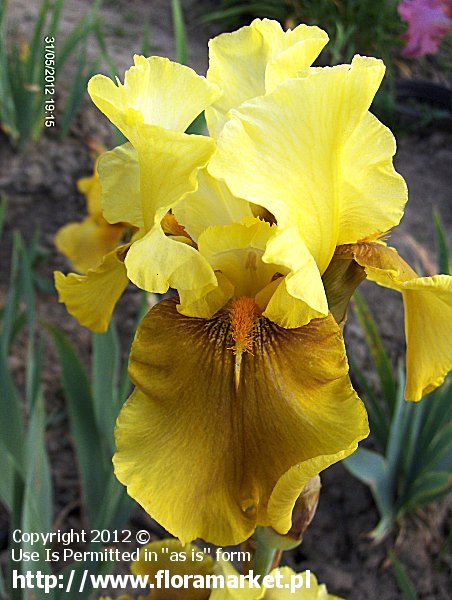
(120, 182)
(211, 204)
(253, 60)
(428, 314)
(293, 144)
(156, 91)
(204, 455)
(168, 164)
(91, 298)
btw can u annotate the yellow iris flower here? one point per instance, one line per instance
(242, 390)
(203, 566)
(86, 243)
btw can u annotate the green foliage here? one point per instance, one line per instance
(92, 408)
(441, 245)
(180, 37)
(405, 584)
(92, 405)
(25, 485)
(22, 74)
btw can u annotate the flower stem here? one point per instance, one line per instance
(263, 559)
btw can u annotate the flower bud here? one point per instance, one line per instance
(302, 515)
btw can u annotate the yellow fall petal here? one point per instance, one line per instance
(428, 314)
(253, 60)
(91, 298)
(156, 91)
(196, 563)
(86, 243)
(291, 143)
(120, 182)
(203, 454)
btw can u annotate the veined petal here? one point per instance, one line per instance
(204, 304)
(90, 188)
(120, 182)
(303, 283)
(86, 243)
(202, 450)
(156, 91)
(289, 52)
(91, 298)
(196, 563)
(283, 308)
(211, 204)
(428, 314)
(168, 164)
(253, 60)
(291, 143)
(373, 195)
(236, 250)
(156, 262)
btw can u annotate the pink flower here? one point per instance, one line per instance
(429, 21)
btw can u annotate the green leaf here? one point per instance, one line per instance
(439, 448)
(77, 35)
(38, 500)
(7, 478)
(377, 350)
(36, 45)
(372, 469)
(405, 584)
(77, 91)
(428, 488)
(145, 49)
(198, 127)
(105, 381)
(397, 431)
(441, 244)
(439, 413)
(180, 37)
(3, 204)
(11, 424)
(379, 421)
(93, 466)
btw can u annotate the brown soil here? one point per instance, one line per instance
(41, 192)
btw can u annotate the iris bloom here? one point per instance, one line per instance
(264, 229)
(202, 567)
(428, 22)
(86, 243)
